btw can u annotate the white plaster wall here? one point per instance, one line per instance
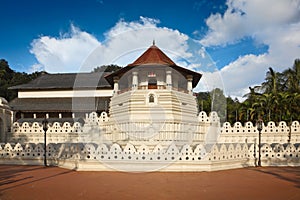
(110, 157)
(65, 93)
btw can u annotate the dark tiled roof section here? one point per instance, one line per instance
(86, 104)
(67, 81)
(153, 55)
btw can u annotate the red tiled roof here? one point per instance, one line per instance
(153, 55)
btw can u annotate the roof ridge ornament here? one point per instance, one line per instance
(153, 43)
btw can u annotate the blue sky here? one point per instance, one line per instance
(239, 35)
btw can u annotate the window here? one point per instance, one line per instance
(152, 84)
(151, 98)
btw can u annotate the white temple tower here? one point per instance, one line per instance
(153, 97)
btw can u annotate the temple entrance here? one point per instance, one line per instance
(152, 84)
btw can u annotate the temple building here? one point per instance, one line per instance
(68, 95)
(142, 117)
(152, 82)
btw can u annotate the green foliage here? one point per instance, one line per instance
(204, 101)
(9, 78)
(107, 68)
(213, 101)
(277, 99)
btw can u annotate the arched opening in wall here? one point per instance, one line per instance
(151, 98)
(152, 83)
(2, 136)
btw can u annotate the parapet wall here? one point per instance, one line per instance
(130, 158)
(271, 133)
(102, 129)
(96, 145)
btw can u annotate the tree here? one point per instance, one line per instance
(204, 102)
(218, 103)
(233, 110)
(107, 68)
(9, 77)
(274, 82)
(292, 78)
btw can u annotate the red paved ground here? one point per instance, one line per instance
(37, 182)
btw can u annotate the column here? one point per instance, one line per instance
(134, 80)
(169, 79)
(116, 85)
(190, 84)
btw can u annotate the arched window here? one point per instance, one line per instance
(151, 98)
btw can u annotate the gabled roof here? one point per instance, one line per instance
(154, 56)
(66, 81)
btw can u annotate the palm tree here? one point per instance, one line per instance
(270, 84)
(249, 105)
(292, 77)
(294, 109)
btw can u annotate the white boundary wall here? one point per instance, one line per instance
(68, 146)
(109, 158)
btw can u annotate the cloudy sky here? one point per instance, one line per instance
(236, 39)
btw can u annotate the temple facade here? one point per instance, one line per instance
(150, 99)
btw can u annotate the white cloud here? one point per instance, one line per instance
(272, 23)
(35, 68)
(66, 53)
(249, 18)
(246, 71)
(80, 51)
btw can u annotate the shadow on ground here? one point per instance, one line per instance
(290, 174)
(9, 176)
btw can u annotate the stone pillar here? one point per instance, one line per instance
(116, 85)
(135, 80)
(59, 115)
(34, 116)
(169, 79)
(47, 115)
(190, 84)
(73, 115)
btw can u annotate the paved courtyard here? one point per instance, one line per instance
(38, 182)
